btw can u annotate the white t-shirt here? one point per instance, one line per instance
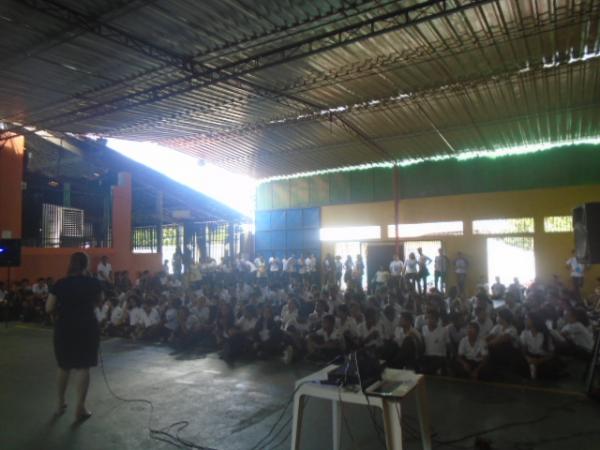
(476, 352)
(396, 268)
(334, 336)
(273, 265)
(579, 335)
(149, 319)
(485, 327)
(246, 324)
(135, 316)
(104, 271)
(440, 264)
(534, 344)
(381, 276)
(497, 330)
(460, 265)
(101, 312)
(400, 335)
(116, 315)
(388, 327)
(435, 341)
(576, 267)
(40, 289)
(364, 332)
(171, 321)
(411, 266)
(349, 326)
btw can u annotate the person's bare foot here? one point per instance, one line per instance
(82, 415)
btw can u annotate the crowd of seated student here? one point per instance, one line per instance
(531, 334)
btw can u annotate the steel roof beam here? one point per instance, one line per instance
(375, 26)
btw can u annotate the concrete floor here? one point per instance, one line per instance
(231, 408)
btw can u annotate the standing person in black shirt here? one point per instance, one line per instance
(76, 332)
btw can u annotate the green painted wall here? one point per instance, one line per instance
(565, 166)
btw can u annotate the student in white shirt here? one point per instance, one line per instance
(370, 332)
(435, 340)
(440, 274)
(424, 262)
(347, 326)
(381, 278)
(149, 322)
(579, 337)
(240, 338)
(407, 342)
(325, 343)
(117, 319)
(538, 349)
(104, 270)
(502, 341)
(411, 270)
(483, 320)
(461, 266)
(396, 269)
(472, 353)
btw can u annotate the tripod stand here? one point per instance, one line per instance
(593, 370)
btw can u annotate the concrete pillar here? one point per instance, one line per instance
(11, 178)
(121, 222)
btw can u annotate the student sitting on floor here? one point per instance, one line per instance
(267, 335)
(538, 349)
(472, 354)
(117, 322)
(502, 342)
(347, 327)
(483, 320)
(435, 339)
(315, 318)
(407, 344)
(241, 335)
(149, 326)
(580, 339)
(325, 343)
(457, 330)
(370, 333)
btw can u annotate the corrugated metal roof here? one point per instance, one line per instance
(270, 87)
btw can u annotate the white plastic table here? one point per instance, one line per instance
(310, 386)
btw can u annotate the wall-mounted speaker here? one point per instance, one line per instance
(10, 252)
(586, 226)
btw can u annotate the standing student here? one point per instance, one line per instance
(461, 265)
(338, 270)
(440, 274)
(498, 290)
(411, 271)
(424, 262)
(396, 268)
(577, 271)
(76, 332)
(177, 262)
(348, 269)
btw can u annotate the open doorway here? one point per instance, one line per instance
(510, 257)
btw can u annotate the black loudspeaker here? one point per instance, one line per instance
(10, 252)
(586, 226)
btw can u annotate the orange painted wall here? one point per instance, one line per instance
(11, 176)
(53, 262)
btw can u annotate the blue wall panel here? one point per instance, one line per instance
(286, 232)
(278, 220)
(263, 221)
(311, 218)
(293, 218)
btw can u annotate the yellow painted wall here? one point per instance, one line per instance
(551, 249)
